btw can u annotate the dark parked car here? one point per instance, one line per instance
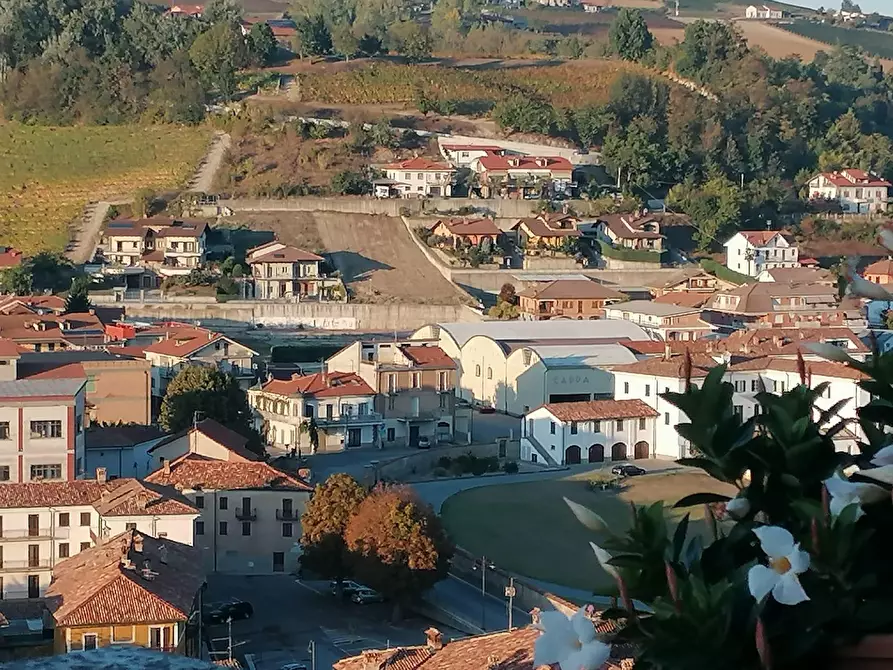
(348, 588)
(628, 470)
(365, 596)
(223, 612)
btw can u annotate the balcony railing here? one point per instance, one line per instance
(246, 514)
(286, 515)
(25, 566)
(20, 534)
(352, 419)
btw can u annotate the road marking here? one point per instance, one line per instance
(310, 588)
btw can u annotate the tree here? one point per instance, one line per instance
(222, 11)
(314, 36)
(629, 35)
(344, 41)
(635, 152)
(714, 207)
(217, 395)
(323, 524)
(143, 200)
(370, 45)
(410, 40)
(591, 124)
(77, 301)
(16, 281)
(262, 46)
(507, 294)
(177, 93)
(348, 182)
(217, 54)
(524, 114)
(397, 544)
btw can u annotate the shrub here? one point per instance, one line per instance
(444, 462)
(601, 481)
(440, 472)
(478, 467)
(510, 467)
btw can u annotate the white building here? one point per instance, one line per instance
(762, 12)
(649, 378)
(43, 523)
(589, 432)
(857, 191)
(419, 177)
(462, 155)
(752, 251)
(662, 321)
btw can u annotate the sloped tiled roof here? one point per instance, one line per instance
(468, 227)
(216, 431)
(881, 267)
(420, 164)
(598, 410)
(628, 226)
(192, 471)
(320, 385)
(813, 368)
(571, 289)
(530, 163)
(683, 299)
(95, 587)
(542, 228)
(674, 366)
(800, 275)
(286, 254)
(427, 356)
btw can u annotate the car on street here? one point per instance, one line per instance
(366, 596)
(348, 588)
(487, 409)
(221, 612)
(628, 470)
(424, 442)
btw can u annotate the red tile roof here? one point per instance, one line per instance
(628, 226)
(540, 228)
(104, 585)
(8, 348)
(853, 177)
(881, 267)
(31, 303)
(10, 258)
(286, 254)
(118, 497)
(813, 368)
(493, 163)
(683, 299)
(428, 356)
(472, 227)
(420, 165)
(320, 385)
(597, 410)
(571, 289)
(192, 471)
(66, 371)
(136, 351)
(760, 238)
(672, 367)
(213, 430)
(183, 342)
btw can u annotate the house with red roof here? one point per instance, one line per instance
(857, 191)
(416, 178)
(630, 231)
(463, 155)
(749, 252)
(340, 405)
(524, 176)
(470, 232)
(166, 246)
(880, 272)
(10, 258)
(550, 230)
(282, 271)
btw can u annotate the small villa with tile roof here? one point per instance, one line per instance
(281, 271)
(749, 252)
(546, 230)
(468, 231)
(566, 299)
(879, 272)
(857, 191)
(419, 178)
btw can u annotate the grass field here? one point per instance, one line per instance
(527, 528)
(48, 174)
(871, 41)
(564, 85)
(575, 22)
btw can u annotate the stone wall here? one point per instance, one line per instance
(423, 463)
(389, 207)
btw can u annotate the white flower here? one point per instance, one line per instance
(786, 561)
(883, 456)
(830, 352)
(738, 507)
(843, 492)
(586, 516)
(603, 558)
(570, 642)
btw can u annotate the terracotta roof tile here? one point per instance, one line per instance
(571, 289)
(683, 299)
(191, 471)
(468, 227)
(320, 385)
(428, 356)
(813, 368)
(627, 226)
(118, 497)
(34, 370)
(881, 267)
(492, 162)
(95, 587)
(10, 258)
(541, 227)
(597, 410)
(233, 442)
(286, 254)
(672, 367)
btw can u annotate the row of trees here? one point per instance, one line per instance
(385, 538)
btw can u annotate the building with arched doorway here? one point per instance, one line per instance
(597, 431)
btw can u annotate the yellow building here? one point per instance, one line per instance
(132, 589)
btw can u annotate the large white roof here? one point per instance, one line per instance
(545, 330)
(650, 308)
(583, 356)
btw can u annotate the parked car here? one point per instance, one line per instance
(221, 612)
(424, 442)
(348, 588)
(628, 470)
(366, 596)
(487, 409)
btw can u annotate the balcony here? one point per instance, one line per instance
(26, 566)
(27, 534)
(287, 515)
(246, 514)
(366, 419)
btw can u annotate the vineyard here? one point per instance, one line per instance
(872, 42)
(566, 85)
(48, 174)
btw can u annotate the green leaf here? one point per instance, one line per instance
(701, 499)
(627, 561)
(679, 537)
(586, 516)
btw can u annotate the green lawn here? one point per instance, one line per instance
(527, 528)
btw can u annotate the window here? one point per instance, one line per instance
(63, 550)
(416, 380)
(392, 383)
(552, 427)
(441, 381)
(4, 430)
(63, 519)
(626, 387)
(199, 527)
(85, 518)
(286, 530)
(666, 418)
(753, 385)
(641, 424)
(596, 426)
(246, 528)
(489, 373)
(619, 424)
(573, 427)
(738, 409)
(89, 641)
(223, 529)
(4, 473)
(41, 430)
(391, 434)
(53, 471)
(392, 403)
(85, 546)
(477, 370)
(740, 386)
(647, 390)
(224, 502)
(122, 633)
(443, 401)
(129, 526)
(278, 561)
(200, 502)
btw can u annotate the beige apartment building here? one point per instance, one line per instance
(171, 246)
(282, 271)
(414, 386)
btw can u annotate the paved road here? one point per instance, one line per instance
(465, 601)
(85, 237)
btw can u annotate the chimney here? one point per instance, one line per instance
(92, 311)
(370, 660)
(210, 335)
(535, 615)
(138, 543)
(777, 341)
(492, 662)
(434, 639)
(101, 475)
(667, 351)
(162, 553)
(542, 162)
(165, 466)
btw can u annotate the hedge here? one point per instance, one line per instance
(623, 254)
(724, 273)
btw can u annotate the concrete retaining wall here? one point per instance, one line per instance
(367, 205)
(328, 316)
(425, 460)
(492, 280)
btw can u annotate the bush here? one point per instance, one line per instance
(639, 255)
(510, 468)
(440, 472)
(601, 481)
(478, 467)
(456, 468)
(444, 462)
(724, 273)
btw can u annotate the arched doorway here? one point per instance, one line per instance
(572, 455)
(641, 450)
(596, 453)
(618, 452)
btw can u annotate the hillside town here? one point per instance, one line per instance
(539, 334)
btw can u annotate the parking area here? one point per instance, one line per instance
(290, 613)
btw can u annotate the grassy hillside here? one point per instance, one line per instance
(873, 42)
(48, 174)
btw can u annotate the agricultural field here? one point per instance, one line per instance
(578, 22)
(48, 174)
(564, 85)
(778, 43)
(871, 41)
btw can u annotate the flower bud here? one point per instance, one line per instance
(763, 648)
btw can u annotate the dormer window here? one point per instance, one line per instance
(542, 162)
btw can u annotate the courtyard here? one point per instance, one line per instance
(526, 528)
